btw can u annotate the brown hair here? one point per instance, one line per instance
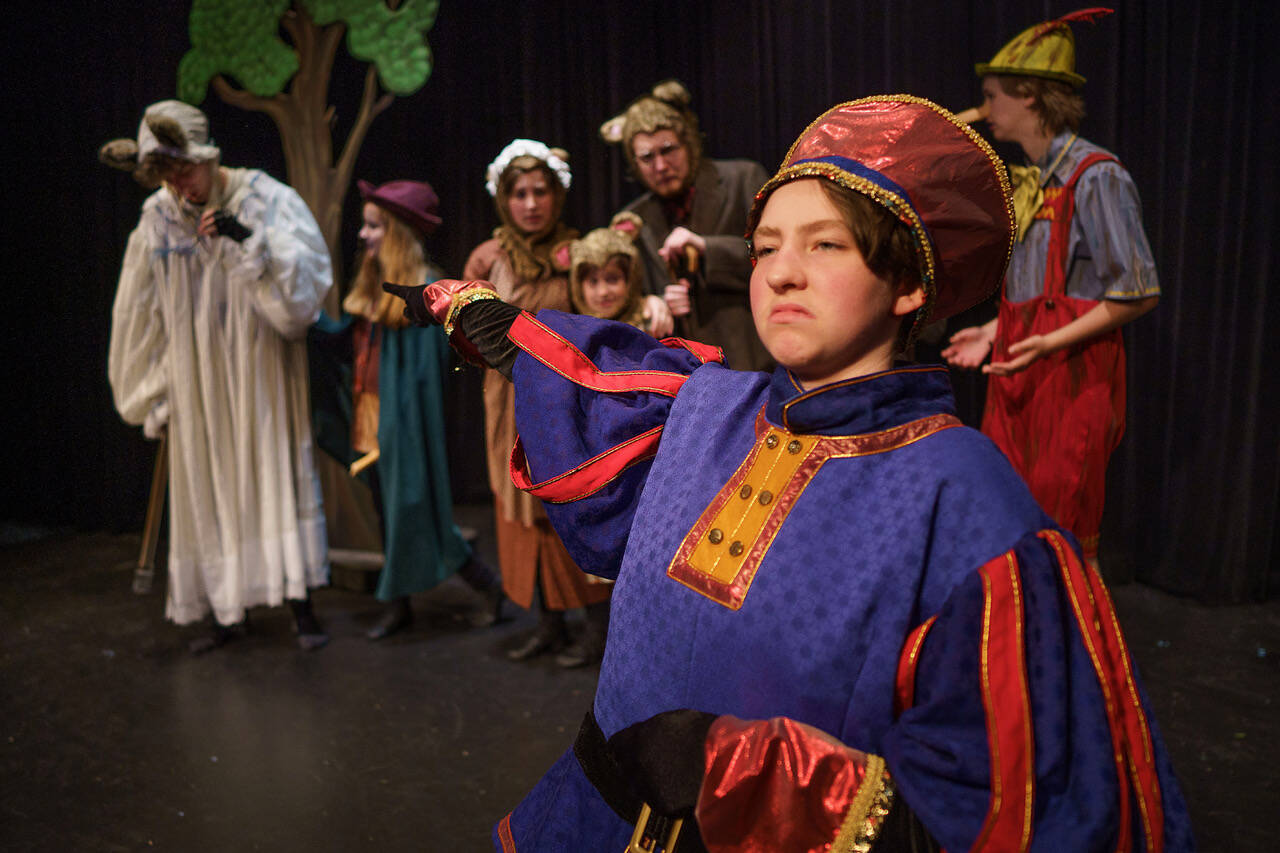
(401, 259)
(522, 165)
(1059, 106)
(507, 180)
(886, 244)
(632, 308)
(583, 268)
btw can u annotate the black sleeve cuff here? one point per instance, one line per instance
(485, 323)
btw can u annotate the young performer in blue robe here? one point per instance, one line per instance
(841, 622)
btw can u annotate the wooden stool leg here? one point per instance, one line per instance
(145, 573)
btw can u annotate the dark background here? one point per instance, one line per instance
(1178, 91)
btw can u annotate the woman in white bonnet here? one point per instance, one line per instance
(528, 181)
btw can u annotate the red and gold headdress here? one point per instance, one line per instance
(933, 173)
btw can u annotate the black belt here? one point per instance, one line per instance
(603, 771)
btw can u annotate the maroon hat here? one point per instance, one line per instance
(413, 201)
(933, 173)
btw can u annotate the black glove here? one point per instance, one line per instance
(663, 756)
(415, 303)
(227, 225)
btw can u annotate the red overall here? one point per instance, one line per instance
(1059, 419)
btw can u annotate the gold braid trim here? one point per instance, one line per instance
(898, 207)
(462, 300)
(868, 810)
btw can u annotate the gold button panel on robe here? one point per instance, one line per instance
(739, 524)
(721, 553)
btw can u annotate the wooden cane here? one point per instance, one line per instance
(687, 265)
(145, 573)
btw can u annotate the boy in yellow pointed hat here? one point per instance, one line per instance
(1081, 269)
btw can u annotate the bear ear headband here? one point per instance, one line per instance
(611, 130)
(168, 133)
(670, 92)
(619, 238)
(122, 154)
(628, 223)
(560, 255)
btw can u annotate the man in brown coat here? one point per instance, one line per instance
(692, 203)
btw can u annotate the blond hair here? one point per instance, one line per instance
(400, 259)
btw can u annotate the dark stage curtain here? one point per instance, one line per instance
(1178, 91)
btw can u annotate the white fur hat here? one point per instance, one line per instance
(170, 129)
(156, 135)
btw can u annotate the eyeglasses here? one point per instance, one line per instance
(666, 152)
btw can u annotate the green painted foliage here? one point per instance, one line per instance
(239, 38)
(393, 40)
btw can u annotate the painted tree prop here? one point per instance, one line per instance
(241, 39)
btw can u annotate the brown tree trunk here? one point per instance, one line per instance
(305, 121)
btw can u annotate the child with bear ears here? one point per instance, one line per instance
(841, 622)
(606, 279)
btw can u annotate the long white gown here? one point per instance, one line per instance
(210, 334)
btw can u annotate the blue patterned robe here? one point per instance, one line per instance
(887, 527)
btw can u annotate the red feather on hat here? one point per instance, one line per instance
(1079, 16)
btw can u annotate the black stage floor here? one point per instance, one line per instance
(114, 738)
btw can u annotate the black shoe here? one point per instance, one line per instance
(310, 635)
(488, 612)
(217, 638)
(397, 615)
(313, 641)
(589, 647)
(486, 584)
(582, 653)
(549, 636)
(534, 646)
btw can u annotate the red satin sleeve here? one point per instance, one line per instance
(781, 785)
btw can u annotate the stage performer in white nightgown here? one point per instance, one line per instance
(222, 277)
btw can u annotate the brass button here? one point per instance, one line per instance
(771, 442)
(735, 549)
(793, 446)
(765, 497)
(716, 536)
(745, 491)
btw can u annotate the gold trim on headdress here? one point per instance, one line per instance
(900, 207)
